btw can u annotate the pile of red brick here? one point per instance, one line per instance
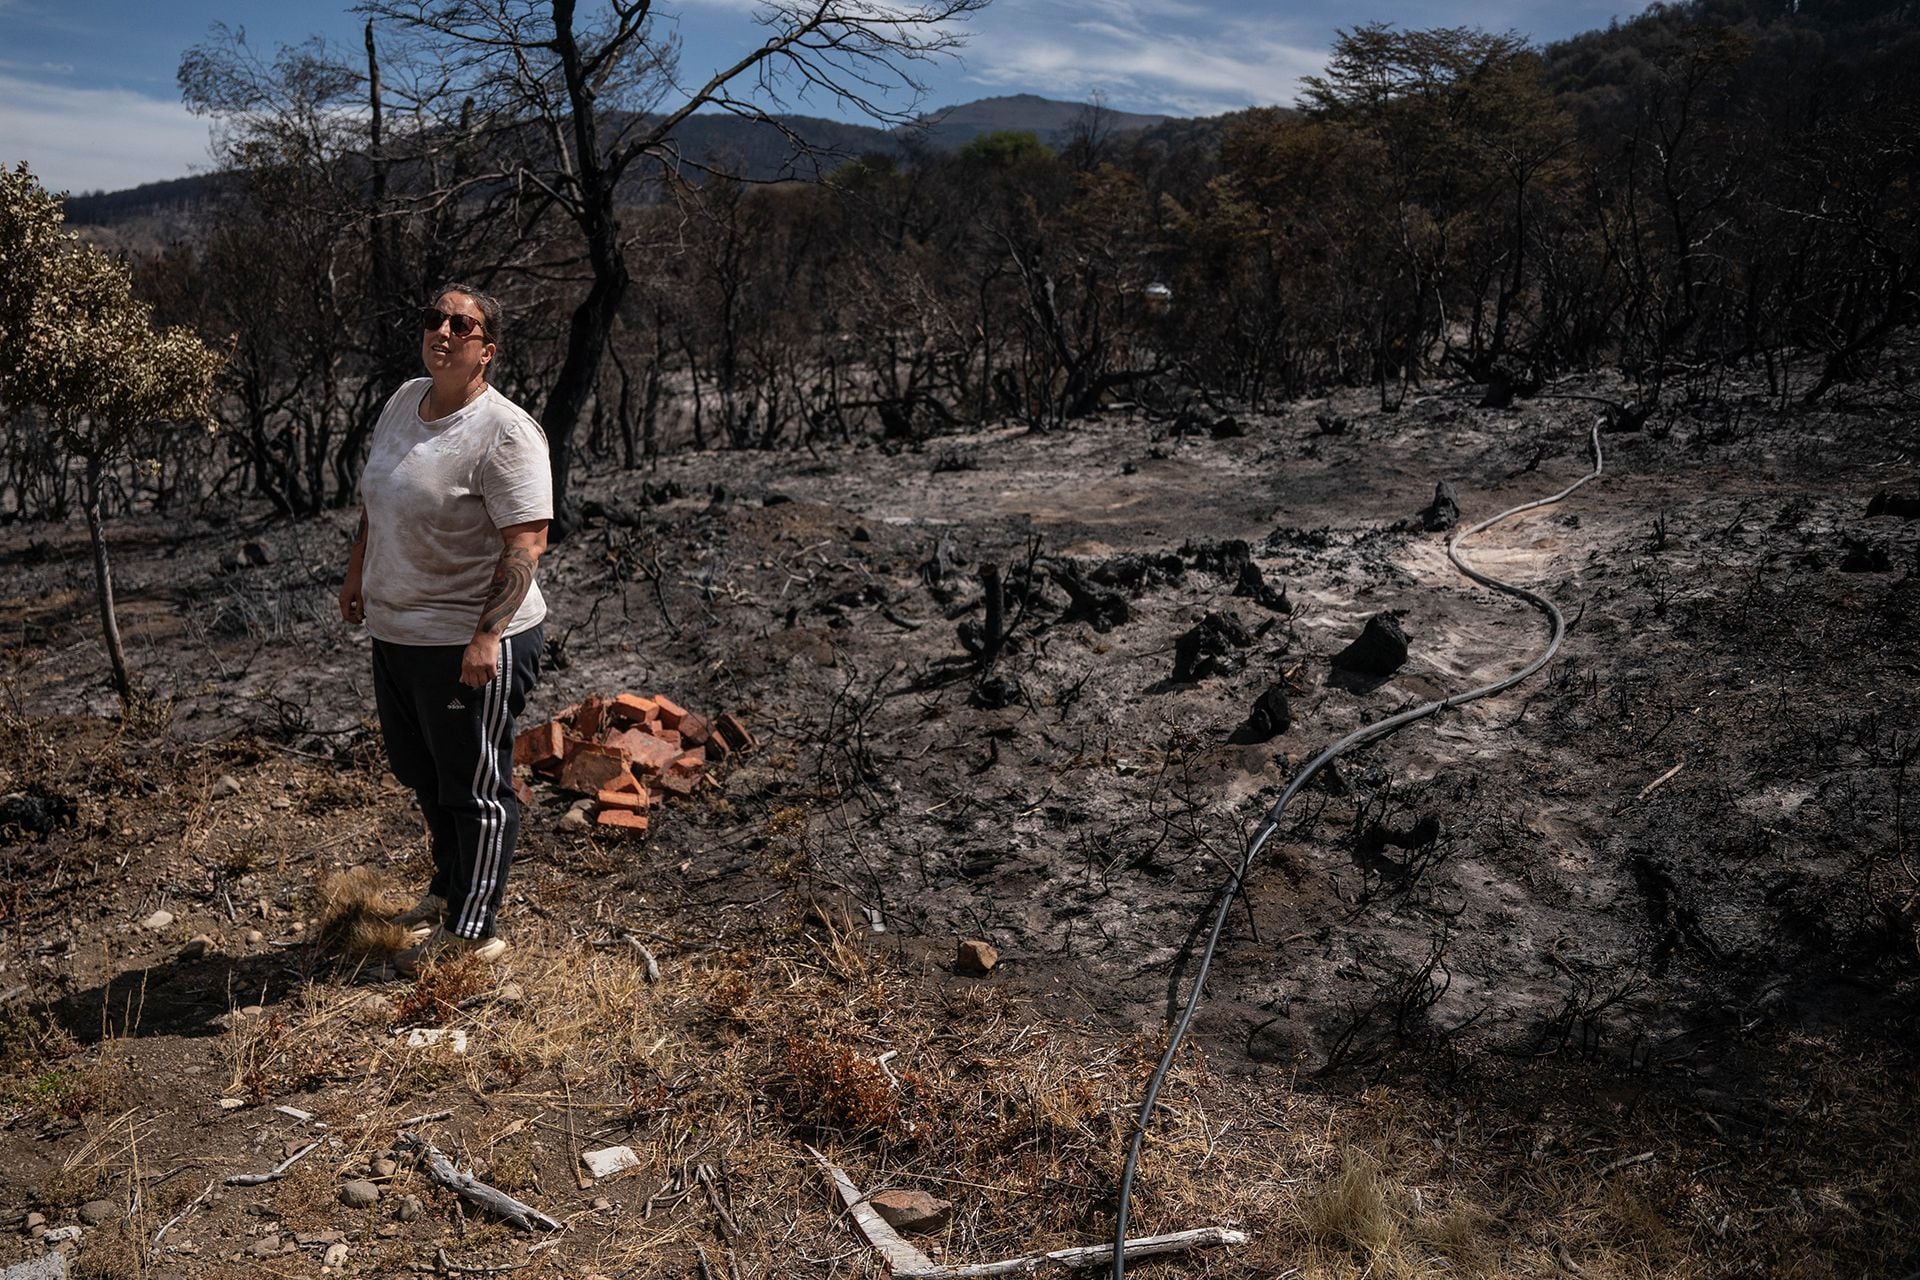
(629, 753)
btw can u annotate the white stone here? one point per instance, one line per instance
(426, 1037)
(157, 921)
(608, 1161)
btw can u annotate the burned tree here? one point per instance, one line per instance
(597, 91)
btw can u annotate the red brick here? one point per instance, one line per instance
(733, 731)
(591, 718)
(669, 736)
(522, 792)
(717, 748)
(628, 783)
(694, 729)
(648, 753)
(671, 712)
(541, 747)
(632, 709)
(622, 819)
(679, 784)
(592, 768)
(633, 801)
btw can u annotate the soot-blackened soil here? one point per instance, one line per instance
(1678, 862)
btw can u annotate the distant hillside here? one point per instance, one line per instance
(1050, 120)
(715, 140)
(162, 202)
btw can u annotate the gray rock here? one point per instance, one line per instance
(384, 1168)
(266, 1246)
(311, 1239)
(335, 1255)
(60, 1235)
(34, 1221)
(386, 1231)
(51, 1267)
(95, 1212)
(157, 921)
(225, 785)
(601, 1203)
(409, 1208)
(199, 947)
(576, 820)
(359, 1194)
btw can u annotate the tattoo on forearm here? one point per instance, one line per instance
(360, 538)
(512, 579)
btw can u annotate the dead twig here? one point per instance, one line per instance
(274, 1174)
(153, 1250)
(1659, 782)
(450, 1267)
(468, 1187)
(1627, 1162)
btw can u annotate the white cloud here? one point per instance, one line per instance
(97, 139)
(1134, 51)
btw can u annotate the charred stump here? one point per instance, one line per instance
(1270, 717)
(1211, 648)
(1376, 653)
(1443, 512)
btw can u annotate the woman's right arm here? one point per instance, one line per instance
(353, 604)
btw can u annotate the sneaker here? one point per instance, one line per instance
(423, 917)
(441, 945)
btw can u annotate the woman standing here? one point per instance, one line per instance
(455, 501)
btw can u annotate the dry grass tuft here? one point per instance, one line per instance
(356, 910)
(440, 989)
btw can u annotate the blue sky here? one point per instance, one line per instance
(87, 92)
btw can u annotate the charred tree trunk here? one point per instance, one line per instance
(103, 583)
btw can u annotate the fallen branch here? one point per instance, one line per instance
(274, 1174)
(653, 965)
(908, 1263)
(1659, 782)
(468, 1187)
(153, 1250)
(728, 1227)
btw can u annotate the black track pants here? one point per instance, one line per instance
(454, 746)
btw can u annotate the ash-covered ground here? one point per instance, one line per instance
(1677, 863)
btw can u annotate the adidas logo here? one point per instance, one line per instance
(456, 705)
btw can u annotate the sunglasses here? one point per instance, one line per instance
(431, 318)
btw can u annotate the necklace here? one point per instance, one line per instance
(426, 403)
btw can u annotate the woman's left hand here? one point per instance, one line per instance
(481, 661)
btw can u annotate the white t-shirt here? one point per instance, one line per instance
(437, 495)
